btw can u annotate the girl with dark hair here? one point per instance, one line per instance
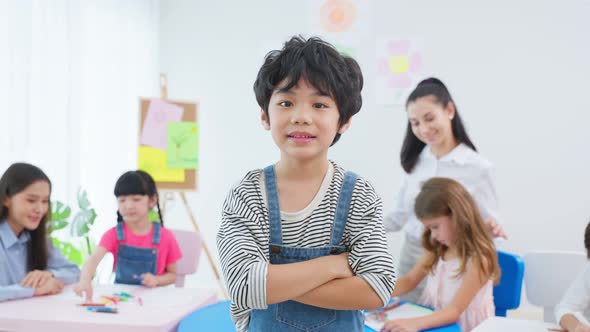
(437, 145)
(145, 252)
(29, 264)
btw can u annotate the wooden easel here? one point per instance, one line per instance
(169, 196)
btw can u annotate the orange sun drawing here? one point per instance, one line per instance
(338, 15)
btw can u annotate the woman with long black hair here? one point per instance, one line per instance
(437, 145)
(29, 264)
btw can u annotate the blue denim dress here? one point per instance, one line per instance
(292, 316)
(134, 261)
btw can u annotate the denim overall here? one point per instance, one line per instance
(135, 261)
(292, 316)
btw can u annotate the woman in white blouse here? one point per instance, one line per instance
(437, 145)
(573, 312)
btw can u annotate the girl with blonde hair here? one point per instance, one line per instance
(460, 263)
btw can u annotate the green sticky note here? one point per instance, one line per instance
(182, 149)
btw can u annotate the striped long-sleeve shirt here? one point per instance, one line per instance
(243, 239)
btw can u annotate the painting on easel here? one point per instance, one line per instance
(169, 143)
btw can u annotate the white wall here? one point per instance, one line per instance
(518, 71)
(71, 73)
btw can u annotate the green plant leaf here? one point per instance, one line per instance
(60, 211)
(58, 216)
(92, 216)
(83, 202)
(82, 221)
(55, 225)
(69, 251)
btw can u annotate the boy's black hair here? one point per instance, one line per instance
(14, 180)
(137, 183)
(321, 65)
(412, 146)
(587, 240)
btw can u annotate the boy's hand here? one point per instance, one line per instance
(35, 278)
(400, 325)
(340, 267)
(49, 287)
(84, 287)
(149, 280)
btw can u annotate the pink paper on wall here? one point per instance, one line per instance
(154, 128)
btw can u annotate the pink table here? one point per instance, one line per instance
(161, 310)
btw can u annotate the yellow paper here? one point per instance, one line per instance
(153, 161)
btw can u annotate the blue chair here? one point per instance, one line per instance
(215, 317)
(507, 292)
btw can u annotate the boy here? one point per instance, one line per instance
(302, 243)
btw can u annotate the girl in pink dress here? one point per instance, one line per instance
(145, 253)
(460, 262)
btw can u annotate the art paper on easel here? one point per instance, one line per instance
(183, 145)
(376, 319)
(153, 161)
(159, 114)
(174, 166)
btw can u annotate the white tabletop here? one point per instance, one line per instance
(503, 324)
(161, 309)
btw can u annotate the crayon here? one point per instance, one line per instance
(103, 309)
(91, 304)
(112, 299)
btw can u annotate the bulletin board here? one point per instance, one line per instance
(163, 124)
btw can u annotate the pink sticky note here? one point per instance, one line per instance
(158, 115)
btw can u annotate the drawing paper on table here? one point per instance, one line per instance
(376, 319)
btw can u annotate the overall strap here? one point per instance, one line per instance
(157, 229)
(274, 211)
(343, 206)
(120, 231)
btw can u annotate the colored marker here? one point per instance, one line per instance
(120, 298)
(139, 300)
(104, 299)
(112, 299)
(126, 294)
(91, 304)
(103, 309)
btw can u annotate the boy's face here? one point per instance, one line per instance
(303, 122)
